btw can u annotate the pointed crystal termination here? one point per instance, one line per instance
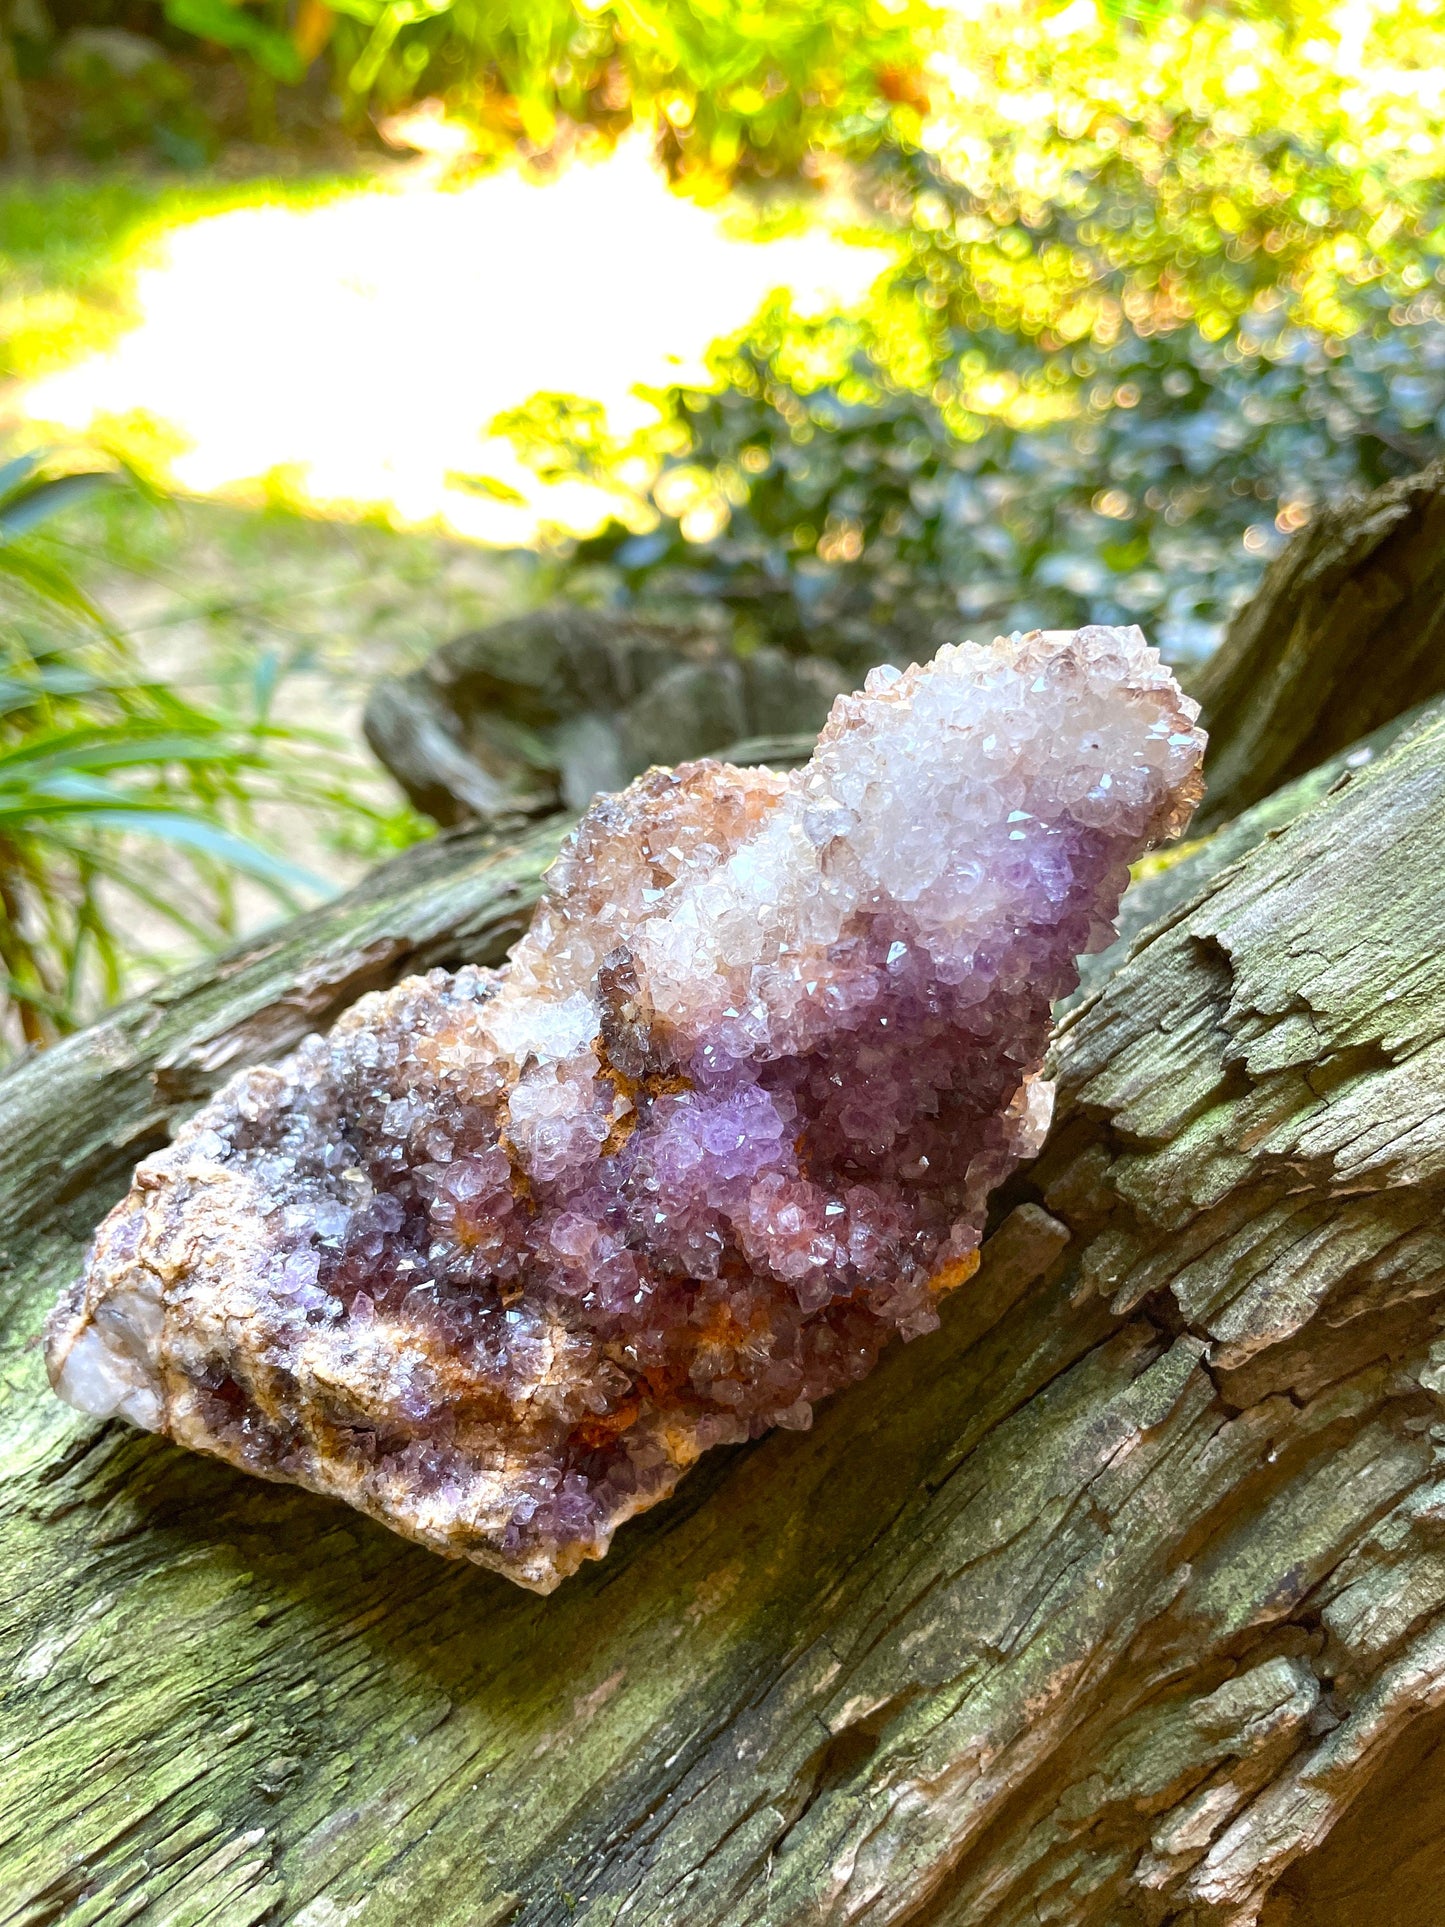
(502, 1255)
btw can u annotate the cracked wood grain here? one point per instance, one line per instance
(1117, 1600)
(1346, 632)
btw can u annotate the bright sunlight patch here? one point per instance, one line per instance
(357, 352)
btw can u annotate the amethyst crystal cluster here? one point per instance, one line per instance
(498, 1258)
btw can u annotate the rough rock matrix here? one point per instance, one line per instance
(501, 1256)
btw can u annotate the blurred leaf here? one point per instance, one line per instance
(488, 486)
(26, 507)
(189, 832)
(50, 581)
(18, 469)
(231, 26)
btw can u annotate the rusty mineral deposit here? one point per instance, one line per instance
(498, 1258)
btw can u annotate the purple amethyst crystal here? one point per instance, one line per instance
(502, 1255)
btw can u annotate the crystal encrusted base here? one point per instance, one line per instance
(501, 1256)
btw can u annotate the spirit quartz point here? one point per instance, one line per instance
(498, 1258)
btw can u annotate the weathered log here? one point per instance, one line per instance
(1120, 1599)
(546, 709)
(1171, 877)
(1346, 632)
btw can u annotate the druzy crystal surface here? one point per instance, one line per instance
(498, 1258)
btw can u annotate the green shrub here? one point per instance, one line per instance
(1161, 290)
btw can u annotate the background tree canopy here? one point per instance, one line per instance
(728, 90)
(1164, 279)
(1163, 286)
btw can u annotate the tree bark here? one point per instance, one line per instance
(1346, 632)
(1121, 1599)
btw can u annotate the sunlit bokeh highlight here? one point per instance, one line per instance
(359, 351)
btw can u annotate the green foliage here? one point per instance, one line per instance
(728, 89)
(851, 519)
(128, 809)
(273, 51)
(1160, 292)
(755, 90)
(1225, 173)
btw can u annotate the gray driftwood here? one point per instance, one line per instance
(548, 708)
(1119, 1600)
(1347, 630)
